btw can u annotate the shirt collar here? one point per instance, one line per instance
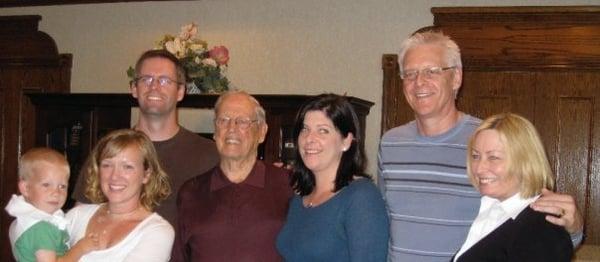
(512, 205)
(27, 214)
(256, 177)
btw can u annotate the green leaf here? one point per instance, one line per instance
(131, 73)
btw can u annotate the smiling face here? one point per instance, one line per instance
(123, 176)
(235, 143)
(320, 144)
(430, 97)
(46, 188)
(489, 166)
(155, 100)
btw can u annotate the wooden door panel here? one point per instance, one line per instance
(573, 144)
(482, 106)
(566, 109)
(487, 93)
(592, 216)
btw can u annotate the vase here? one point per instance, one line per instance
(191, 88)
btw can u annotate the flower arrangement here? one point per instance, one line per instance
(205, 67)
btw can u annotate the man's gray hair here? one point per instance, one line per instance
(452, 51)
(259, 110)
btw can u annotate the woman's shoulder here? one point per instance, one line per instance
(363, 188)
(362, 184)
(536, 237)
(536, 219)
(533, 224)
(155, 221)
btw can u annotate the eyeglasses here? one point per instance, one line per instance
(428, 73)
(163, 81)
(242, 123)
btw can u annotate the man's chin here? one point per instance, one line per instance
(154, 111)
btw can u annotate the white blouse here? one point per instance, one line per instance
(492, 214)
(150, 240)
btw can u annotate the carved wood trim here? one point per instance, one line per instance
(15, 3)
(524, 38)
(514, 15)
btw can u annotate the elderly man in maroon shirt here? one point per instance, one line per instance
(234, 211)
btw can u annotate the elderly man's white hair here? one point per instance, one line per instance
(259, 110)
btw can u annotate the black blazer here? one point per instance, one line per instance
(529, 237)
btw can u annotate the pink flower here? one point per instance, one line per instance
(220, 54)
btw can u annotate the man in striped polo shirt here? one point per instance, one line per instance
(422, 164)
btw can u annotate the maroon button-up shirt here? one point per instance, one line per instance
(223, 221)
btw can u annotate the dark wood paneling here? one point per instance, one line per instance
(487, 93)
(566, 117)
(393, 103)
(494, 38)
(4, 219)
(574, 124)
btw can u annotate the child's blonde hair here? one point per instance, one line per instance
(29, 163)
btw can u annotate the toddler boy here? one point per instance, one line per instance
(38, 232)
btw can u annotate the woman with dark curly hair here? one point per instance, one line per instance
(125, 181)
(338, 214)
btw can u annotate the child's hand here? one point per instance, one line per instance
(85, 245)
(89, 243)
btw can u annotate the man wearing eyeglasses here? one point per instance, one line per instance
(422, 172)
(234, 211)
(158, 85)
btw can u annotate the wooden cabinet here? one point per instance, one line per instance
(29, 63)
(73, 123)
(540, 62)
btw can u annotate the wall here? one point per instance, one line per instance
(276, 46)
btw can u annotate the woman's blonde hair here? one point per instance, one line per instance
(526, 155)
(153, 192)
